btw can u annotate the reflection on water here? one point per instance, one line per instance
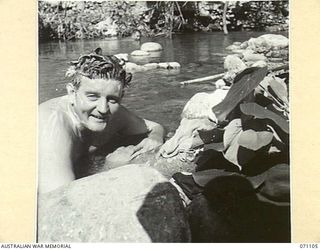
(156, 94)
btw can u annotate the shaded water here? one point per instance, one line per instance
(155, 95)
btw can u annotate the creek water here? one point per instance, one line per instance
(156, 95)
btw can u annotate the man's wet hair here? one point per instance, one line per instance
(97, 66)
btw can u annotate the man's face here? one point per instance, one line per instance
(96, 100)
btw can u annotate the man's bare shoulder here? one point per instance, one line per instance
(53, 112)
(53, 104)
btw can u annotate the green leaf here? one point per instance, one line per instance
(244, 84)
(262, 113)
(255, 140)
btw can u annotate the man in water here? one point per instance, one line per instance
(87, 118)
(136, 35)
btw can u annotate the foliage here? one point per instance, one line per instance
(259, 112)
(258, 118)
(244, 84)
(258, 15)
(67, 20)
(84, 20)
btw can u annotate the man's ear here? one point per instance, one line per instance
(71, 92)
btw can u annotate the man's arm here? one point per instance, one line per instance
(134, 125)
(155, 130)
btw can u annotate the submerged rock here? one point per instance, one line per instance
(132, 203)
(149, 66)
(169, 65)
(237, 43)
(133, 67)
(140, 53)
(233, 47)
(151, 46)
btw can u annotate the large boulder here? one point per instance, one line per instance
(278, 41)
(267, 42)
(151, 46)
(132, 203)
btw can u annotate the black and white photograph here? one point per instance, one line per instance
(163, 122)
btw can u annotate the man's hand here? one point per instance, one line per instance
(146, 145)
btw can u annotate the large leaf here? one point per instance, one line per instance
(231, 131)
(244, 84)
(234, 152)
(262, 113)
(255, 140)
(280, 89)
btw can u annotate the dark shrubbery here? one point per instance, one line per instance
(85, 20)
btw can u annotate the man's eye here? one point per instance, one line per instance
(92, 97)
(112, 100)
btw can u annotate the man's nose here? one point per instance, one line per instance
(103, 106)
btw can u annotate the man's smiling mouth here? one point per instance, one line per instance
(99, 118)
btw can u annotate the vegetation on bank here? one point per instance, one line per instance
(67, 20)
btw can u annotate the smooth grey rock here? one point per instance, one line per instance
(150, 66)
(274, 40)
(267, 42)
(244, 45)
(132, 203)
(260, 64)
(169, 65)
(133, 67)
(234, 63)
(139, 53)
(220, 83)
(254, 57)
(151, 46)
(233, 47)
